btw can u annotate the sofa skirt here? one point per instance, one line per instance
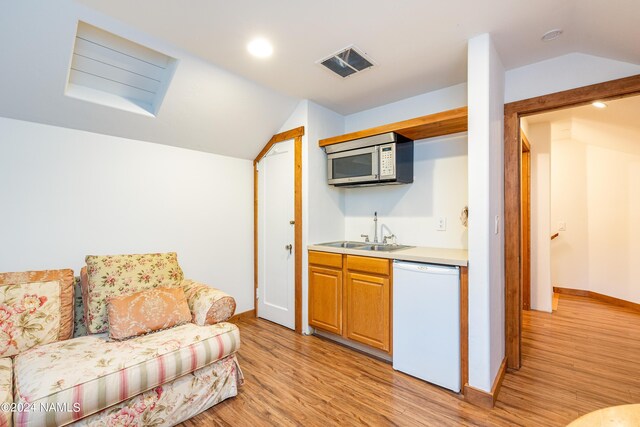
(176, 401)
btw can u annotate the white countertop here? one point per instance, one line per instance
(417, 254)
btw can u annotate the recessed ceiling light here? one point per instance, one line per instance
(599, 104)
(260, 48)
(551, 35)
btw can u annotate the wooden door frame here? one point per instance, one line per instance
(295, 134)
(513, 111)
(525, 265)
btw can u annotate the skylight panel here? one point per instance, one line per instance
(110, 70)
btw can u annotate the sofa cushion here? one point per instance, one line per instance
(208, 305)
(92, 373)
(147, 311)
(66, 282)
(112, 275)
(6, 391)
(29, 316)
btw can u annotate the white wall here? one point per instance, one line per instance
(562, 73)
(67, 193)
(569, 252)
(595, 181)
(440, 179)
(539, 136)
(408, 108)
(411, 212)
(486, 206)
(322, 205)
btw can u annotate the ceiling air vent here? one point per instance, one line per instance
(347, 62)
(110, 70)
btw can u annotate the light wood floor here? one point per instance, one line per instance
(583, 357)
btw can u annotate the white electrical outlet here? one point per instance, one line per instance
(442, 224)
(562, 226)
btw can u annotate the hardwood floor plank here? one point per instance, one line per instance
(583, 357)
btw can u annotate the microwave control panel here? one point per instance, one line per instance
(387, 160)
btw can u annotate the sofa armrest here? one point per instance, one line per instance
(6, 391)
(208, 305)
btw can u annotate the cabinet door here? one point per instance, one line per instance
(325, 299)
(368, 306)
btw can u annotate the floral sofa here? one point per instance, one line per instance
(59, 362)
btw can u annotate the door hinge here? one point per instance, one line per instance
(257, 293)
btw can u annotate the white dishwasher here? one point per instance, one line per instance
(426, 322)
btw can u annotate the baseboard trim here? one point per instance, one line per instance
(249, 314)
(569, 291)
(482, 398)
(595, 295)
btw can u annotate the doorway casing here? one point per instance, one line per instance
(613, 89)
(295, 134)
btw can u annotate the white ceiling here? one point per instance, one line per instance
(223, 101)
(418, 45)
(206, 108)
(623, 112)
(616, 127)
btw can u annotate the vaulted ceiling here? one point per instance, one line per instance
(418, 45)
(222, 100)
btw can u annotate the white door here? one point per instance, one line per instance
(276, 259)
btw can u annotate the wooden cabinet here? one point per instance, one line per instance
(351, 296)
(367, 309)
(325, 298)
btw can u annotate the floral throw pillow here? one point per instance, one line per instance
(29, 316)
(114, 275)
(64, 277)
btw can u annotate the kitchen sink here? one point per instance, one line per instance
(345, 244)
(365, 246)
(385, 248)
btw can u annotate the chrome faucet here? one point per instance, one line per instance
(385, 238)
(375, 227)
(366, 237)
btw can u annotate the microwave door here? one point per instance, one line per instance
(353, 166)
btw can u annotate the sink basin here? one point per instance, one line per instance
(385, 248)
(365, 246)
(345, 244)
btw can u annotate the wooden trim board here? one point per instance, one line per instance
(298, 229)
(482, 398)
(569, 291)
(525, 221)
(614, 89)
(438, 124)
(249, 314)
(295, 134)
(255, 237)
(601, 297)
(290, 134)
(464, 326)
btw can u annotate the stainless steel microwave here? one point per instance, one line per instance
(376, 160)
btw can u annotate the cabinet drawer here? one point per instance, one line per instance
(325, 258)
(370, 265)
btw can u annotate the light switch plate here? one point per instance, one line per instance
(562, 226)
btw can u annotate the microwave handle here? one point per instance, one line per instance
(375, 163)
